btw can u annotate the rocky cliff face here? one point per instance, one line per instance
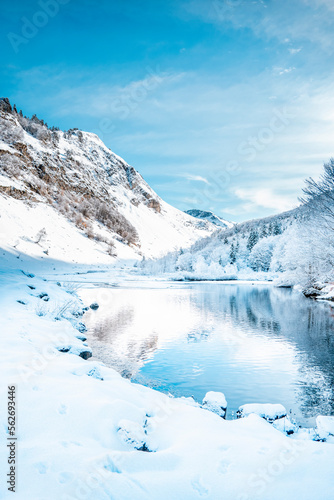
(85, 181)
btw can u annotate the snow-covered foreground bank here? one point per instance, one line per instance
(86, 433)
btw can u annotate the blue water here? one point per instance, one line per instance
(254, 343)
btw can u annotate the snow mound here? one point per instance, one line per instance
(268, 411)
(215, 402)
(325, 426)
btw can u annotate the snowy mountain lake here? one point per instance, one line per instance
(253, 342)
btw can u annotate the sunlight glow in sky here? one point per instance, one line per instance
(226, 105)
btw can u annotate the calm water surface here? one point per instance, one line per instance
(255, 343)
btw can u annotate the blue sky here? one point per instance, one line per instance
(225, 105)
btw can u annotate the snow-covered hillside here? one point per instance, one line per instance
(247, 250)
(292, 248)
(72, 177)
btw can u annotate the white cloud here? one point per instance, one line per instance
(265, 198)
(191, 177)
(283, 71)
(294, 51)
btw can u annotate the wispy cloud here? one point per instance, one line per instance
(191, 177)
(283, 71)
(284, 20)
(294, 51)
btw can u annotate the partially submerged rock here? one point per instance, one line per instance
(77, 349)
(63, 349)
(82, 338)
(85, 354)
(94, 306)
(268, 411)
(215, 402)
(44, 296)
(82, 327)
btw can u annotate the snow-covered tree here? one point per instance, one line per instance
(261, 254)
(319, 195)
(252, 239)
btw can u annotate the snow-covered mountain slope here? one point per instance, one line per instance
(76, 175)
(208, 216)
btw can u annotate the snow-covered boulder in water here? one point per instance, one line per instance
(215, 402)
(268, 411)
(325, 426)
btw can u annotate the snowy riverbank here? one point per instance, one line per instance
(86, 433)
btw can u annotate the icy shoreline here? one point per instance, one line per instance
(86, 433)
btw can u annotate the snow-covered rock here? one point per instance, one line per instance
(325, 426)
(268, 411)
(215, 402)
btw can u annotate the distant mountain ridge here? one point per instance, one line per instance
(208, 216)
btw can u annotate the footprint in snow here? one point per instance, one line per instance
(224, 449)
(64, 477)
(111, 466)
(42, 467)
(263, 450)
(62, 410)
(67, 444)
(199, 487)
(223, 466)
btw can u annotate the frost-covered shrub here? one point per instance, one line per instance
(10, 133)
(200, 265)
(10, 164)
(111, 250)
(261, 254)
(185, 262)
(305, 254)
(35, 127)
(115, 221)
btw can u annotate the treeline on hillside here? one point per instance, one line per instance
(297, 246)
